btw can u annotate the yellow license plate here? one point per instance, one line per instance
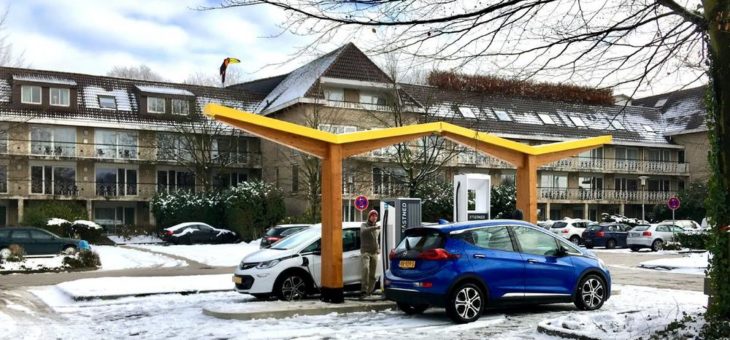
(237, 280)
(407, 264)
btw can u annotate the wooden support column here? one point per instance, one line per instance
(332, 286)
(527, 188)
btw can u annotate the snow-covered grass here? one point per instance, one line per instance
(689, 264)
(130, 286)
(636, 312)
(219, 255)
(112, 258)
(136, 239)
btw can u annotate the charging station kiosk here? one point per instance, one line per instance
(472, 197)
(396, 215)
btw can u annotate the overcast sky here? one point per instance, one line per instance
(169, 36)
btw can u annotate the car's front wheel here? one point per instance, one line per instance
(291, 286)
(69, 250)
(590, 293)
(412, 309)
(610, 244)
(466, 303)
(657, 245)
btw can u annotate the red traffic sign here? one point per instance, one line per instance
(673, 203)
(361, 203)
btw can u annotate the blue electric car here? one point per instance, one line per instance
(467, 266)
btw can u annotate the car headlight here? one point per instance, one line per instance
(268, 264)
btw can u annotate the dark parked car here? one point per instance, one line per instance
(279, 232)
(36, 241)
(467, 266)
(609, 235)
(197, 232)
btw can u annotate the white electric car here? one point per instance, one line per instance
(291, 268)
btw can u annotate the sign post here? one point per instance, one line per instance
(361, 203)
(673, 203)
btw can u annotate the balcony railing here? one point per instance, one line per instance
(618, 196)
(618, 165)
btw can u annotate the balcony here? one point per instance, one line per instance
(617, 165)
(607, 196)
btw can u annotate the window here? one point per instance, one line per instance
(60, 96)
(502, 115)
(295, 178)
(627, 153)
(180, 107)
(20, 235)
(230, 150)
(175, 180)
(40, 235)
(350, 239)
(115, 144)
(155, 105)
(334, 94)
(228, 180)
(3, 179)
(658, 155)
(372, 98)
(591, 183)
(545, 118)
(626, 184)
(496, 238)
(53, 180)
(658, 185)
(577, 121)
(467, 112)
(387, 182)
(648, 128)
(660, 102)
(592, 154)
(53, 141)
(30, 94)
(554, 180)
(172, 147)
(110, 217)
(3, 139)
(535, 242)
(116, 182)
(617, 125)
(107, 102)
(337, 129)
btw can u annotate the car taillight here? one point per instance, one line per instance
(600, 234)
(564, 231)
(168, 232)
(438, 254)
(392, 255)
(272, 239)
(646, 233)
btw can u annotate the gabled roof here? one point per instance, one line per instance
(683, 111)
(346, 62)
(626, 124)
(125, 92)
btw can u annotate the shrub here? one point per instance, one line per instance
(173, 208)
(83, 231)
(437, 200)
(17, 253)
(693, 241)
(85, 259)
(251, 207)
(504, 200)
(672, 246)
(37, 215)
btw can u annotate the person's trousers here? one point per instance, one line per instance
(369, 264)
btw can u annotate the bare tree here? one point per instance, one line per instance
(233, 76)
(8, 55)
(141, 72)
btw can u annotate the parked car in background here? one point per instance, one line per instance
(609, 235)
(571, 229)
(36, 241)
(274, 234)
(652, 236)
(689, 226)
(197, 232)
(467, 266)
(291, 269)
(545, 224)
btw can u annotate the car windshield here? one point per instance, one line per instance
(297, 239)
(559, 225)
(420, 240)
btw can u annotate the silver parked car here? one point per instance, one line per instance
(652, 236)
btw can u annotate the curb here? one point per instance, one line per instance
(113, 297)
(284, 313)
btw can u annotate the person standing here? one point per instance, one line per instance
(369, 250)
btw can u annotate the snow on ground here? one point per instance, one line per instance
(219, 255)
(134, 239)
(645, 251)
(112, 258)
(126, 286)
(636, 312)
(693, 263)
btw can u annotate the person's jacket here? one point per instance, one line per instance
(369, 238)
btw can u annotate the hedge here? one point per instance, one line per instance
(693, 241)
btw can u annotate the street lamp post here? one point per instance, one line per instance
(643, 196)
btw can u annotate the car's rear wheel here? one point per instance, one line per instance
(5, 253)
(291, 286)
(69, 250)
(657, 245)
(575, 239)
(610, 244)
(412, 309)
(466, 303)
(590, 293)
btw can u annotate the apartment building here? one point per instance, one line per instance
(111, 144)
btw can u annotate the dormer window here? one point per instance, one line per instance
(180, 107)
(60, 96)
(107, 102)
(337, 95)
(30, 94)
(155, 105)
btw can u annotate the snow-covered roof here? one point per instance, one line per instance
(164, 90)
(5, 91)
(45, 79)
(682, 111)
(121, 96)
